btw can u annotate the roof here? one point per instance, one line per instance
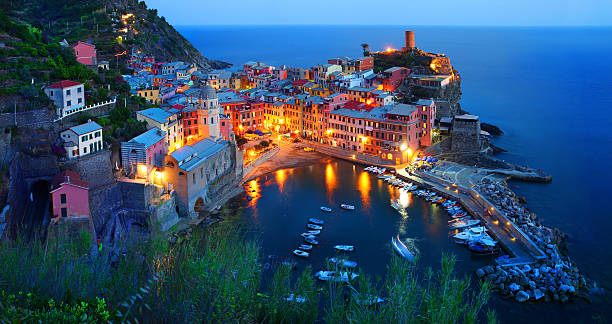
(400, 109)
(393, 69)
(208, 92)
(63, 84)
(424, 102)
(83, 43)
(149, 137)
(157, 114)
(190, 156)
(467, 117)
(68, 177)
(86, 128)
(446, 120)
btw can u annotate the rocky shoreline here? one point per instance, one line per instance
(555, 278)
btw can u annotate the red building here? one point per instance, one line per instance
(392, 78)
(85, 53)
(70, 195)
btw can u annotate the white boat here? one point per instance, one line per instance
(307, 234)
(346, 248)
(466, 223)
(384, 177)
(401, 249)
(294, 298)
(466, 237)
(335, 276)
(343, 262)
(313, 232)
(316, 221)
(301, 253)
(326, 209)
(314, 227)
(395, 204)
(311, 240)
(347, 207)
(305, 247)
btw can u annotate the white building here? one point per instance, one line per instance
(67, 95)
(82, 139)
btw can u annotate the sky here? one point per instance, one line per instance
(387, 12)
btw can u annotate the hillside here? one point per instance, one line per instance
(30, 55)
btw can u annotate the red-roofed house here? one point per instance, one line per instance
(70, 195)
(67, 95)
(85, 53)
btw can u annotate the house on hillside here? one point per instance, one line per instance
(70, 195)
(85, 53)
(82, 139)
(144, 153)
(66, 95)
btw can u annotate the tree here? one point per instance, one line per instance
(264, 143)
(365, 47)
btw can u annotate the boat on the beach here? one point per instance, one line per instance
(325, 209)
(347, 207)
(301, 253)
(316, 221)
(346, 248)
(314, 227)
(335, 276)
(401, 249)
(343, 262)
(305, 247)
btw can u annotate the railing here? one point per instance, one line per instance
(77, 110)
(259, 160)
(348, 155)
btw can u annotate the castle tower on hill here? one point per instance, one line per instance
(410, 45)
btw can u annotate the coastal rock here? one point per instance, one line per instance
(564, 288)
(532, 284)
(480, 272)
(489, 269)
(522, 296)
(538, 294)
(514, 287)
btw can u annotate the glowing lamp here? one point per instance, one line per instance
(403, 147)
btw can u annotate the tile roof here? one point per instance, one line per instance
(400, 109)
(86, 128)
(190, 156)
(157, 114)
(68, 177)
(63, 84)
(149, 137)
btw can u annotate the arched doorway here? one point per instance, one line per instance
(199, 205)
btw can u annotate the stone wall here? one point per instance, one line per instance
(94, 168)
(32, 118)
(465, 135)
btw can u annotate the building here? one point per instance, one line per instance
(193, 169)
(169, 123)
(465, 134)
(85, 53)
(66, 95)
(69, 195)
(392, 78)
(144, 153)
(82, 139)
(151, 95)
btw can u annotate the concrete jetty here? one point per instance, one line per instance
(515, 241)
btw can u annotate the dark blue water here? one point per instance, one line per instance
(549, 90)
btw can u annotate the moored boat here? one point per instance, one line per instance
(300, 253)
(314, 232)
(347, 207)
(305, 247)
(325, 209)
(316, 221)
(314, 227)
(466, 223)
(343, 262)
(482, 247)
(401, 249)
(346, 248)
(311, 240)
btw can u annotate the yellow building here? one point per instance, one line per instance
(150, 95)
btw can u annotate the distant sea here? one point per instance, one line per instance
(548, 89)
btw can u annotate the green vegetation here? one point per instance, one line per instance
(213, 276)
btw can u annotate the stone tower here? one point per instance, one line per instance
(208, 112)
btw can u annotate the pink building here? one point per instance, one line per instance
(335, 100)
(225, 126)
(392, 78)
(70, 195)
(85, 53)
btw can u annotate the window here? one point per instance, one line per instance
(67, 92)
(193, 178)
(79, 89)
(51, 93)
(84, 150)
(62, 198)
(64, 212)
(68, 103)
(80, 100)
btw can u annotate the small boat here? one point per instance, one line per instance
(466, 237)
(482, 247)
(395, 204)
(313, 232)
(294, 298)
(466, 223)
(316, 221)
(384, 177)
(346, 248)
(347, 207)
(325, 209)
(307, 234)
(314, 227)
(343, 262)
(335, 276)
(401, 249)
(311, 240)
(305, 247)
(301, 253)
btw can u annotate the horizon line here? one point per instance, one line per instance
(390, 25)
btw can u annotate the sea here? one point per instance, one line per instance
(547, 88)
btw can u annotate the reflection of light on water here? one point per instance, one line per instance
(363, 185)
(253, 191)
(281, 177)
(405, 198)
(330, 179)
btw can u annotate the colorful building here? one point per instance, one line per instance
(82, 139)
(66, 95)
(141, 155)
(392, 78)
(85, 53)
(69, 195)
